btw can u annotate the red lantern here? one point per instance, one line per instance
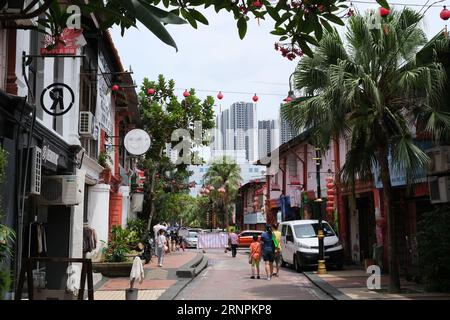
(186, 93)
(330, 192)
(329, 210)
(331, 197)
(330, 203)
(151, 91)
(288, 99)
(115, 87)
(255, 98)
(445, 14)
(384, 12)
(330, 185)
(220, 95)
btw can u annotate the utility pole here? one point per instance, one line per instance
(321, 267)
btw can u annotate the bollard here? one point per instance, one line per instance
(131, 294)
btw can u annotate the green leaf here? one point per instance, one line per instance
(283, 18)
(273, 13)
(164, 16)
(305, 48)
(242, 27)
(152, 23)
(189, 18)
(278, 32)
(326, 25)
(333, 18)
(199, 17)
(383, 3)
(166, 3)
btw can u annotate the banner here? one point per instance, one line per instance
(212, 240)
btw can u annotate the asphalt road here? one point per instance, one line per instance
(228, 278)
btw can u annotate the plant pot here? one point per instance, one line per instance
(106, 175)
(113, 269)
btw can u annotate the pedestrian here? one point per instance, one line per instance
(161, 248)
(233, 238)
(277, 244)
(255, 256)
(268, 251)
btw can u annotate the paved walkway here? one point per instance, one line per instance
(228, 278)
(158, 280)
(351, 284)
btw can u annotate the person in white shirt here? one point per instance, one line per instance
(161, 243)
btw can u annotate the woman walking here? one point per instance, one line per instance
(161, 242)
(255, 256)
(268, 251)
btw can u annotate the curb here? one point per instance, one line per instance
(196, 266)
(334, 293)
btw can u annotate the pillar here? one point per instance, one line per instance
(115, 210)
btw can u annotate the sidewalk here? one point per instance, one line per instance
(159, 282)
(351, 284)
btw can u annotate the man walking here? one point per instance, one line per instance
(233, 238)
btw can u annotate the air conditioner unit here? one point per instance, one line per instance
(36, 171)
(87, 125)
(439, 189)
(439, 159)
(61, 190)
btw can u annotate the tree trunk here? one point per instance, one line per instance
(151, 195)
(394, 277)
(225, 205)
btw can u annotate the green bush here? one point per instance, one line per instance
(434, 248)
(117, 248)
(137, 230)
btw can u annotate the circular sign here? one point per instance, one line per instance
(56, 92)
(137, 142)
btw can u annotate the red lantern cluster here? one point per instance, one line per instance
(151, 91)
(287, 99)
(445, 14)
(384, 12)
(115, 88)
(330, 196)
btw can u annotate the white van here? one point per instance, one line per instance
(300, 245)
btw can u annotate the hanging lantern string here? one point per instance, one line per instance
(238, 92)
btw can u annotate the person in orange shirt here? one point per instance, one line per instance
(255, 256)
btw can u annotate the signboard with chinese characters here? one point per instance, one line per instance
(105, 111)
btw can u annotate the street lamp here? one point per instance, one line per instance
(291, 94)
(321, 267)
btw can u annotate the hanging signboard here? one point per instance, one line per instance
(66, 43)
(56, 93)
(137, 142)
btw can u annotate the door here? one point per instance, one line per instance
(290, 246)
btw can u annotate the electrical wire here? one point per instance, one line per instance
(237, 92)
(394, 3)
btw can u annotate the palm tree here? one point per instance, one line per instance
(375, 90)
(225, 175)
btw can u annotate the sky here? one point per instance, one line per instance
(214, 58)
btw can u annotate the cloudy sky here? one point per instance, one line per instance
(214, 58)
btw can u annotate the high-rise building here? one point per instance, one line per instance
(286, 131)
(236, 129)
(268, 137)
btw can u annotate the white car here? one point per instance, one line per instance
(300, 245)
(191, 239)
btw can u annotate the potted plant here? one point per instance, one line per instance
(116, 262)
(104, 160)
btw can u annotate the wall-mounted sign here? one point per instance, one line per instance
(137, 142)
(66, 43)
(49, 157)
(56, 92)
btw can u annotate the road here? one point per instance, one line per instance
(228, 278)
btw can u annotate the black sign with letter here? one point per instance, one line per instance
(56, 92)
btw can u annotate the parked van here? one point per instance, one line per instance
(300, 245)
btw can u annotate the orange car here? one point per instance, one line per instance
(245, 238)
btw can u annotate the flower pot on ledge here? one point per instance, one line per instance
(106, 175)
(113, 269)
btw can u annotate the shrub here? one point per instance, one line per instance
(137, 229)
(434, 247)
(117, 248)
